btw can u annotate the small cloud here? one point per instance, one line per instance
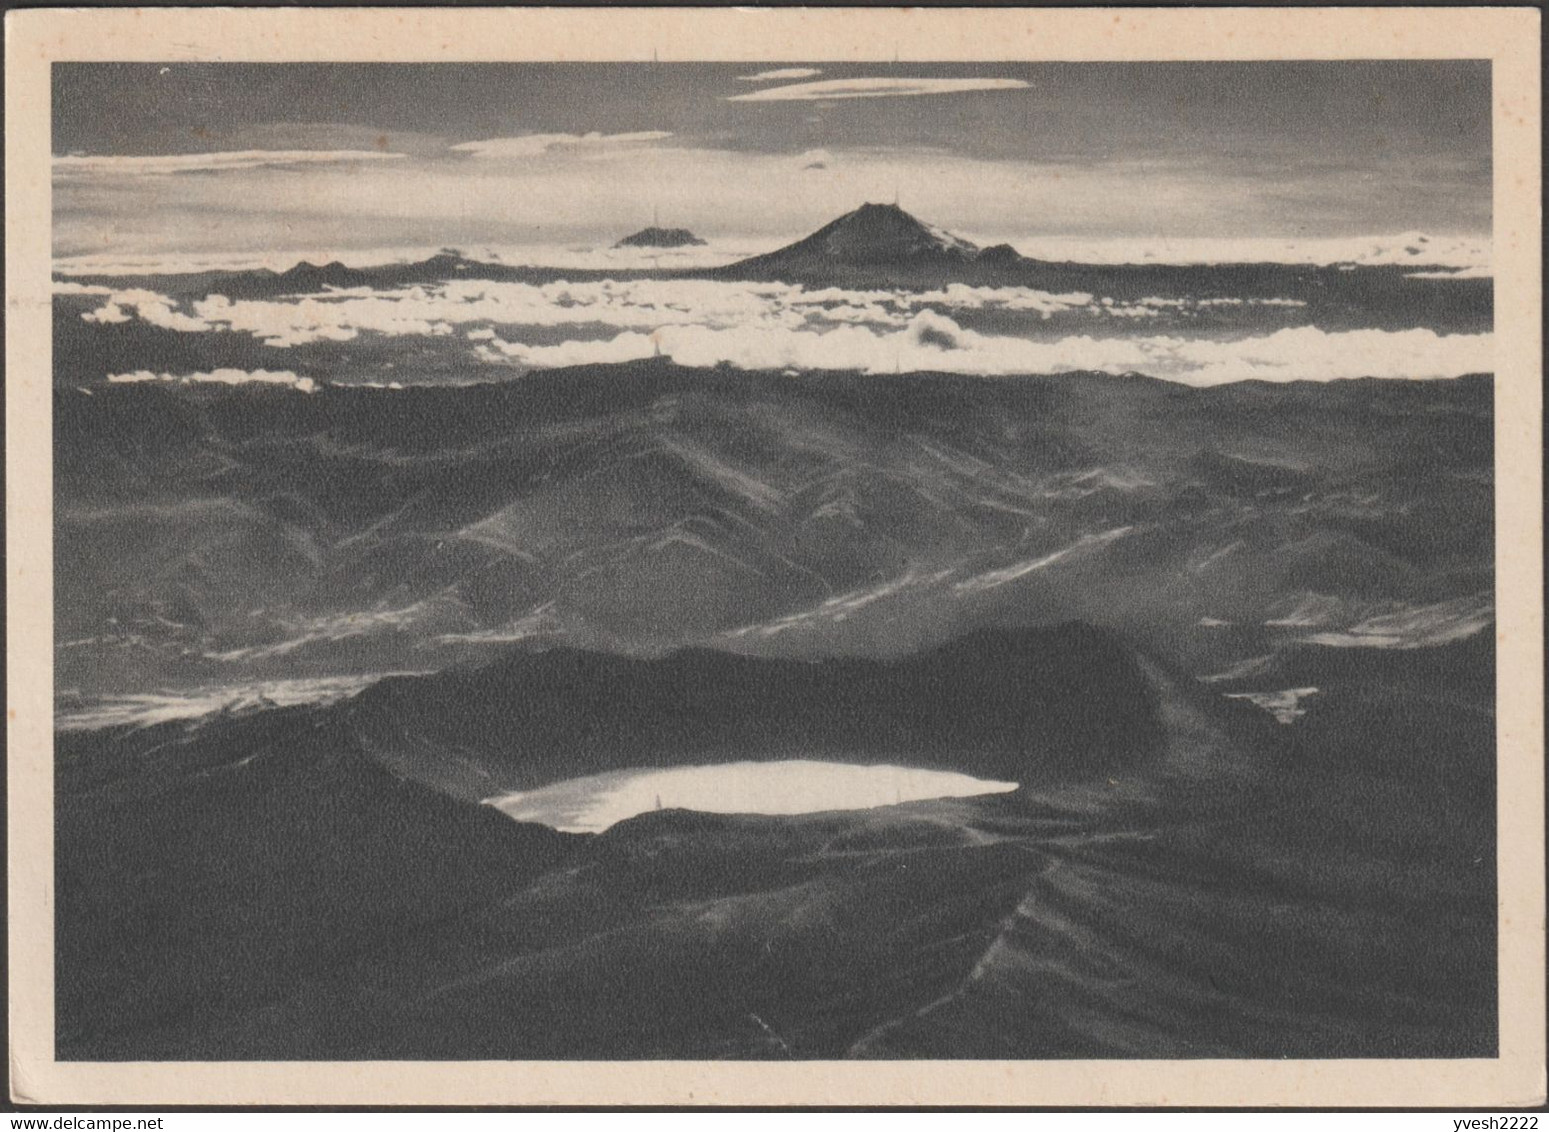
(783, 74)
(71, 287)
(831, 89)
(1475, 272)
(931, 329)
(105, 314)
(148, 306)
(328, 136)
(535, 145)
(167, 164)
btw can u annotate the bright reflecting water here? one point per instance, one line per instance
(796, 786)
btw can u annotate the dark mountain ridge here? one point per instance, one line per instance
(213, 534)
(205, 870)
(1015, 578)
(310, 278)
(654, 237)
(1035, 706)
(297, 884)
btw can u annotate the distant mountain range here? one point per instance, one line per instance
(882, 245)
(216, 534)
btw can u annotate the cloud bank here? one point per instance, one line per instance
(643, 304)
(536, 145)
(785, 326)
(830, 89)
(222, 377)
(783, 74)
(78, 165)
(933, 342)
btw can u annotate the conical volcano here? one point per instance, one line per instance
(880, 233)
(873, 240)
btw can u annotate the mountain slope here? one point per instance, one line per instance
(1032, 706)
(873, 233)
(261, 886)
(881, 245)
(206, 870)
(222, 535)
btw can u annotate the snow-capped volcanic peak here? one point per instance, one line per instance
(881, 233)
(948, 242)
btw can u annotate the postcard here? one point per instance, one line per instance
(758, 557)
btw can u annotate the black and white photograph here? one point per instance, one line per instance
(813, 560)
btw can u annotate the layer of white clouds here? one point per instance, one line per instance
(535, 145)
(221, 377)
(784, 326)
(1476, 272)
(830, 89)
(782, 74)
(71, 287)
(933, 342)
(639, 304)
(79, 165)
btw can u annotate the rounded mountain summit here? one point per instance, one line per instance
(654, 237)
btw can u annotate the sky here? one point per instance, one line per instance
(183, 159)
